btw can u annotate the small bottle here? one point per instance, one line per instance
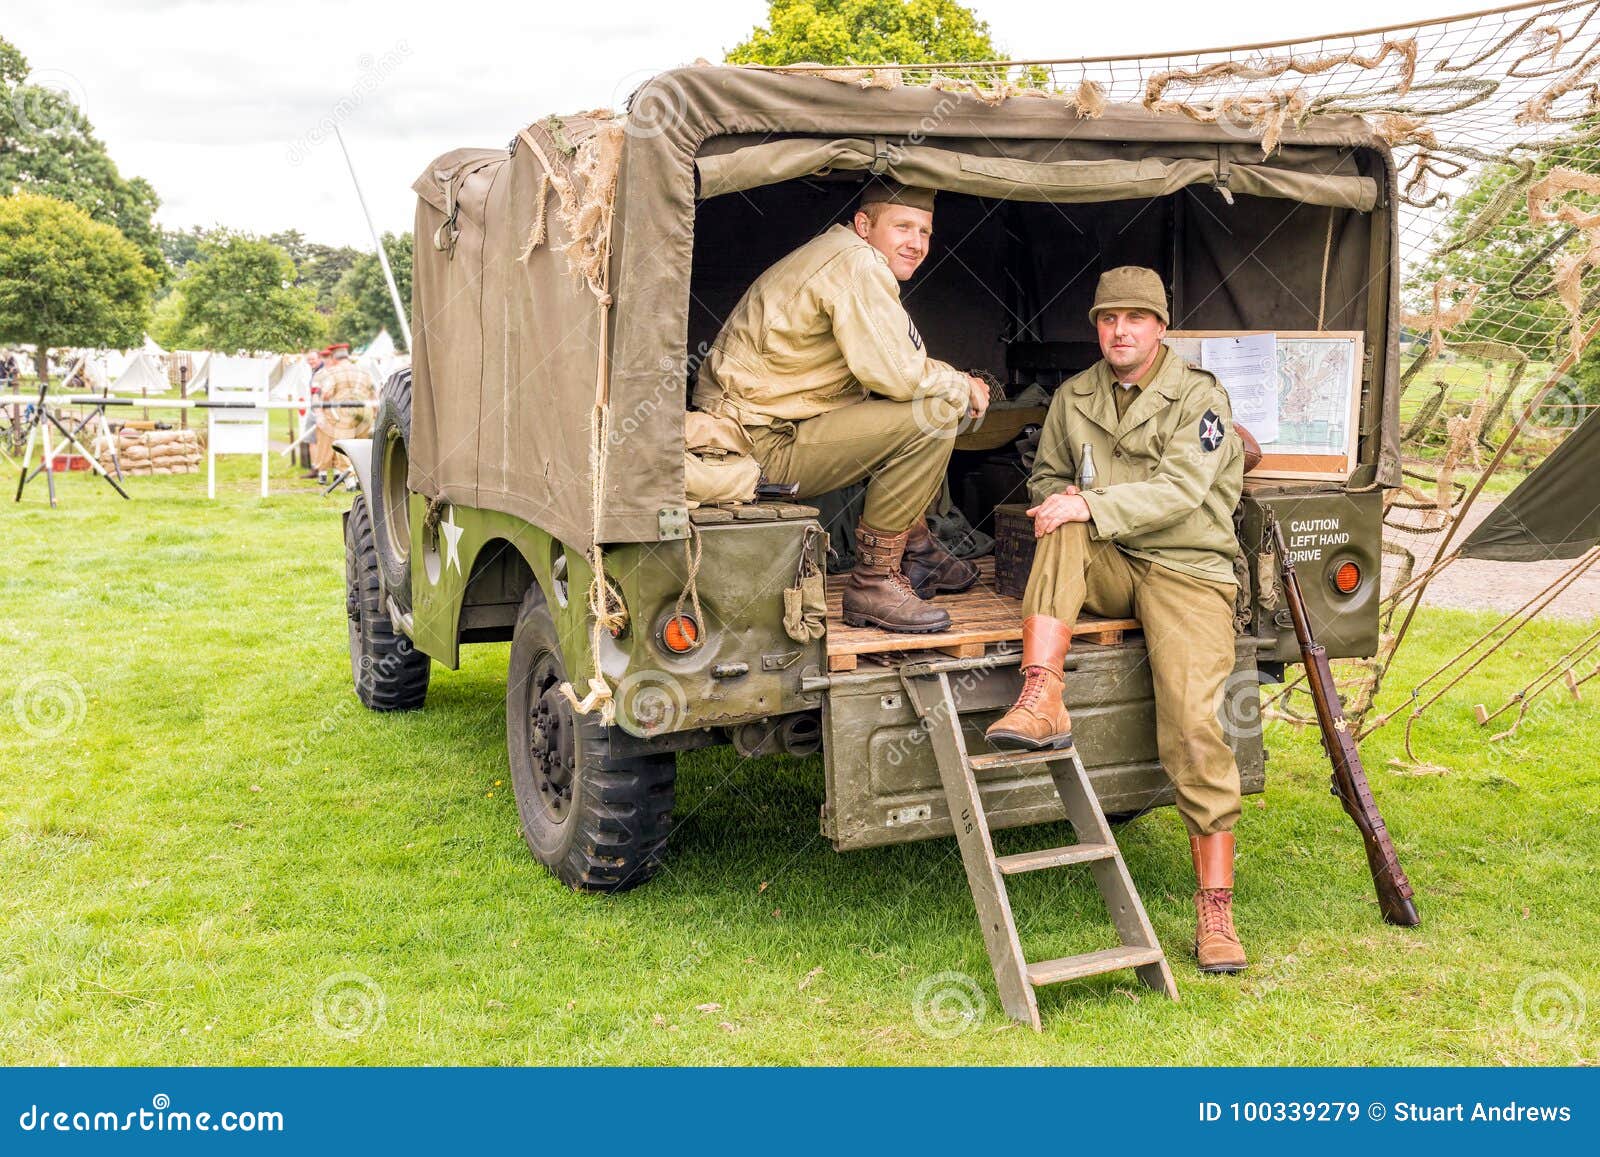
(1086, 474)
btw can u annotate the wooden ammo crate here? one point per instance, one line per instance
(1013, 549)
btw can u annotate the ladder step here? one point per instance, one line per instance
(1054, 858)
(1018, 758)
(1091, 964)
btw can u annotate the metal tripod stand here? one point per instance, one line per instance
(37, 428)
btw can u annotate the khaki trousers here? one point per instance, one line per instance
(901, 448)
(1189, 638)
(322, 450)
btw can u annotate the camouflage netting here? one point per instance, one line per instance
(1494, 119)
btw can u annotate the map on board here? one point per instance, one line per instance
(1316, 382)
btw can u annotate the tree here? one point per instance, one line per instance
(240, 294)
(363, 302)
(48, 146)
(181, 246)
(68, 280)
(866, 32)
(167, 326)
(320, 267)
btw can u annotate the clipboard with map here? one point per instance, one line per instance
(1299, 388)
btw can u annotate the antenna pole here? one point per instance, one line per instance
(377, 243)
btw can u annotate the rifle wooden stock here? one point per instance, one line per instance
(1349, 776)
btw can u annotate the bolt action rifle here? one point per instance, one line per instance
(1349, 776)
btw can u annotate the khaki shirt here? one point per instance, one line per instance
(821, 329)
(344, 381)
(1168, 472)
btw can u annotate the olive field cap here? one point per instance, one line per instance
(1131, 287)
(894, 193)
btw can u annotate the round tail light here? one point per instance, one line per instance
(1346, 578)
(680, 634)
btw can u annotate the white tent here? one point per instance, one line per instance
(238, 375)
(381, 347)
(380, 360)
(144, 374)
(290, 380)
(199, 362)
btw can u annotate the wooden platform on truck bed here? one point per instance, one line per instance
(978, 617)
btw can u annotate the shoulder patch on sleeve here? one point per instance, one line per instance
(913, 334)
(1212, 432)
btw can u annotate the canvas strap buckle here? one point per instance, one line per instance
(881, 157)
(1223, 174)
(446, 235)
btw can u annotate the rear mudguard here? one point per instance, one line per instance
(359, 451)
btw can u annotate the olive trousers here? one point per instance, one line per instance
(902, 449)
(1189, 639)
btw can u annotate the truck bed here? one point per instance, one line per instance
(979, 618)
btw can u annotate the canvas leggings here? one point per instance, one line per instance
(1189, 637)
(902, 449)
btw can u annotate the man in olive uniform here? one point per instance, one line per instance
(826, 372)
(1151, 536)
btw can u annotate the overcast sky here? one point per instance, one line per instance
(218, 104)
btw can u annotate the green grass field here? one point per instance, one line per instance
(223, 859)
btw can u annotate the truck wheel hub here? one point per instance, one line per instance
(550, 743)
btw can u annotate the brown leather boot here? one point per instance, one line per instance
(877, 594)
(932, 569)
(1216, 944)
(1038, 718)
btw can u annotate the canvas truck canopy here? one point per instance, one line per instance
(552, 289)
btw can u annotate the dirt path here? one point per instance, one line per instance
(1473, 585)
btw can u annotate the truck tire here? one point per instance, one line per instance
(391, 525)
(600, 824)
(390, 673)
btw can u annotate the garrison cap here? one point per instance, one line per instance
(879, 190)
(1131, 287)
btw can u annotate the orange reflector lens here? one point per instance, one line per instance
(681, 634)
(1347, 578)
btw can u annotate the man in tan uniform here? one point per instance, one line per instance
(825, 370)
(1151, 536)
(340, 380)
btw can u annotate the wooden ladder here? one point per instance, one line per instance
(928, 687)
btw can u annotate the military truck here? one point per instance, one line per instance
(526, 477)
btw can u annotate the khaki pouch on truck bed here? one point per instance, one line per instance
(717, 466)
